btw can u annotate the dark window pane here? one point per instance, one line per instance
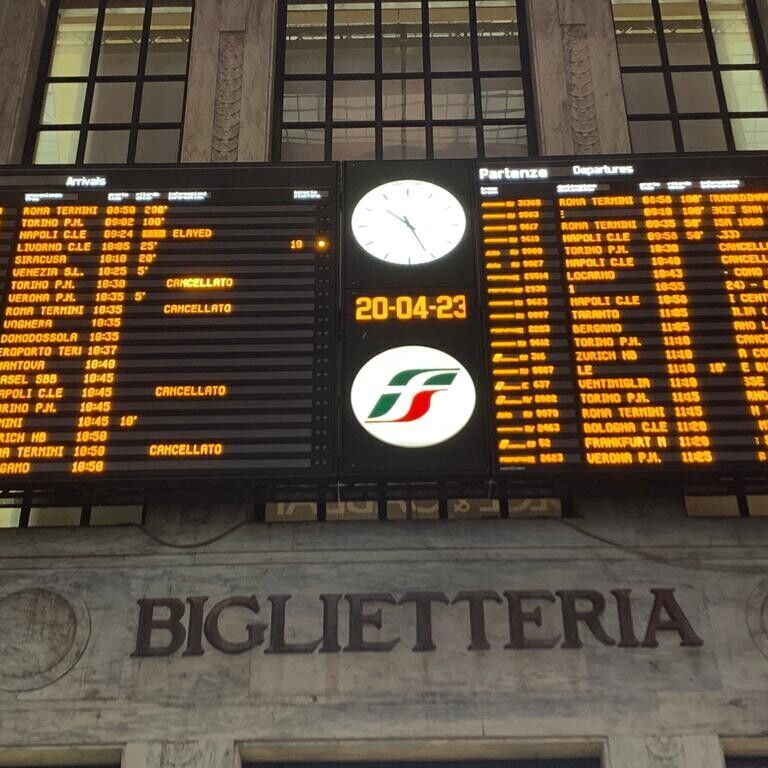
(304, 101)
(158, 146)
(56, 147)
(404, 143)
(169, 38)
(73, 43)
(652, 136)
(116, 515)
(306, 35)
(63, 103)
(498, 39)
(303, 144)
(449, 36)
(502, 98)
(453, 99)
(353, 37)
(684, 32)
(695, 92)
(107, 147)
(505, 140)
(162, 102)
(353, 100)
(401, 37)
(121, 38)
(732, 32)
(702, 135)
(112, 103)
(744, 90)
(635, 32)
(403, 99)
(454, 141)
(750, 132)
(645, 93)
(353, 144)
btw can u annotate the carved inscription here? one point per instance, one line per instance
(167, 624)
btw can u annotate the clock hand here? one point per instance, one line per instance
(399, 218)
(415, 234)
(404, 220)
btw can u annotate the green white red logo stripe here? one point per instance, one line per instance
(434, 380)
(413, 397)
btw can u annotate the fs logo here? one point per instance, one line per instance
(413, 397)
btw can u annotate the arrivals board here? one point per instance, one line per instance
(626, 308)
(168, 322)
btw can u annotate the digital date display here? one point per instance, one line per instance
(378, 309)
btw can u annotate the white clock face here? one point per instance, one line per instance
(409, 222)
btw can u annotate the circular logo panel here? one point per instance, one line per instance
(409, 222)
(413, 397)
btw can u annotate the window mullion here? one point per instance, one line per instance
(532, 135)
(91, 86)
(667, 74)
(139, 89)
(378, 49)
(476, 89)
(330, 37)
(715, 68)
(427, 66)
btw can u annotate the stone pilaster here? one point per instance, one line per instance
(701, 750)
(579, 98)
(762, 9)
(231, 74)
(200, 754)
(21, 37)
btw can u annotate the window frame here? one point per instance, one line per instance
(36, 126)
(426, 76)
(667, 70)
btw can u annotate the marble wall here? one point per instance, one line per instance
(75, 673)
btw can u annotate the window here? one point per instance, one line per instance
(693, 74)
(113, 83)
(402, 80)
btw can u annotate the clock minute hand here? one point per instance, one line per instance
(399, 218)
(415, 234)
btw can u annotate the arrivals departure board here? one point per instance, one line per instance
(626, 312)
(168, 322)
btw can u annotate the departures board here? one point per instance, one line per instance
(168, 322)
(626, 307)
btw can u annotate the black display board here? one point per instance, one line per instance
(168, 322)
(414, 399)
(626, 308)
(523, 320)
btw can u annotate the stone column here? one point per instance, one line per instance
(701, 750)
(579, 97)
(21, 39)
(231, 75)
(762, 10)
(200, 754)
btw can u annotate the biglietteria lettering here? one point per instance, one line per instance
(354, 622)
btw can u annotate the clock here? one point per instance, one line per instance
(408, 222)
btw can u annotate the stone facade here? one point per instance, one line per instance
(75, 673)
(73, 689)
